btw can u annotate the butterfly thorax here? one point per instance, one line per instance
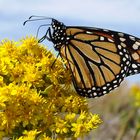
(59, 36)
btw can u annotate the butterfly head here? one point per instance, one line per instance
(58, 33)
(56, 25)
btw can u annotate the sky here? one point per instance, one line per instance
(119, 15)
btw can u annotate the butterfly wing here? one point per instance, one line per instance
(100, 59)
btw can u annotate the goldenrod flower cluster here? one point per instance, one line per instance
(37, 100)
(136, 95)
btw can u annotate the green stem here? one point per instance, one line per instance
(126, 125)
(136, 134)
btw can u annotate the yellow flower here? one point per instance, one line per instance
(37, 95)
(70, 117)
(79, 129)
(46, 138)
(136, 95)
(75, 103)
(85, 123)
(61, 126)
(29, 135)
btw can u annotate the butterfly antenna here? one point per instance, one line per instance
(34, 16)
(55, 60)
(43, 18)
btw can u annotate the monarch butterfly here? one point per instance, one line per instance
(98, 59)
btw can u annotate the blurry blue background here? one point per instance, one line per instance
(119, 15)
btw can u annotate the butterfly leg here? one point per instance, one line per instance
(46, 36)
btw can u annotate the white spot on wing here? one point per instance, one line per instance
(88, 32)
(123, 45)
(135, 46)
(104, 88)
(106, 30)
(124, 59)
(95, 94)
(121, 34)
(120, 47)
(122, 39)
(132, 38)
(134, 66)
(110, 40)
(102, 38)
(115, 81)
(89, 91)
(138, 43)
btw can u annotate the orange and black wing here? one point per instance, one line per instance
(100, 59)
